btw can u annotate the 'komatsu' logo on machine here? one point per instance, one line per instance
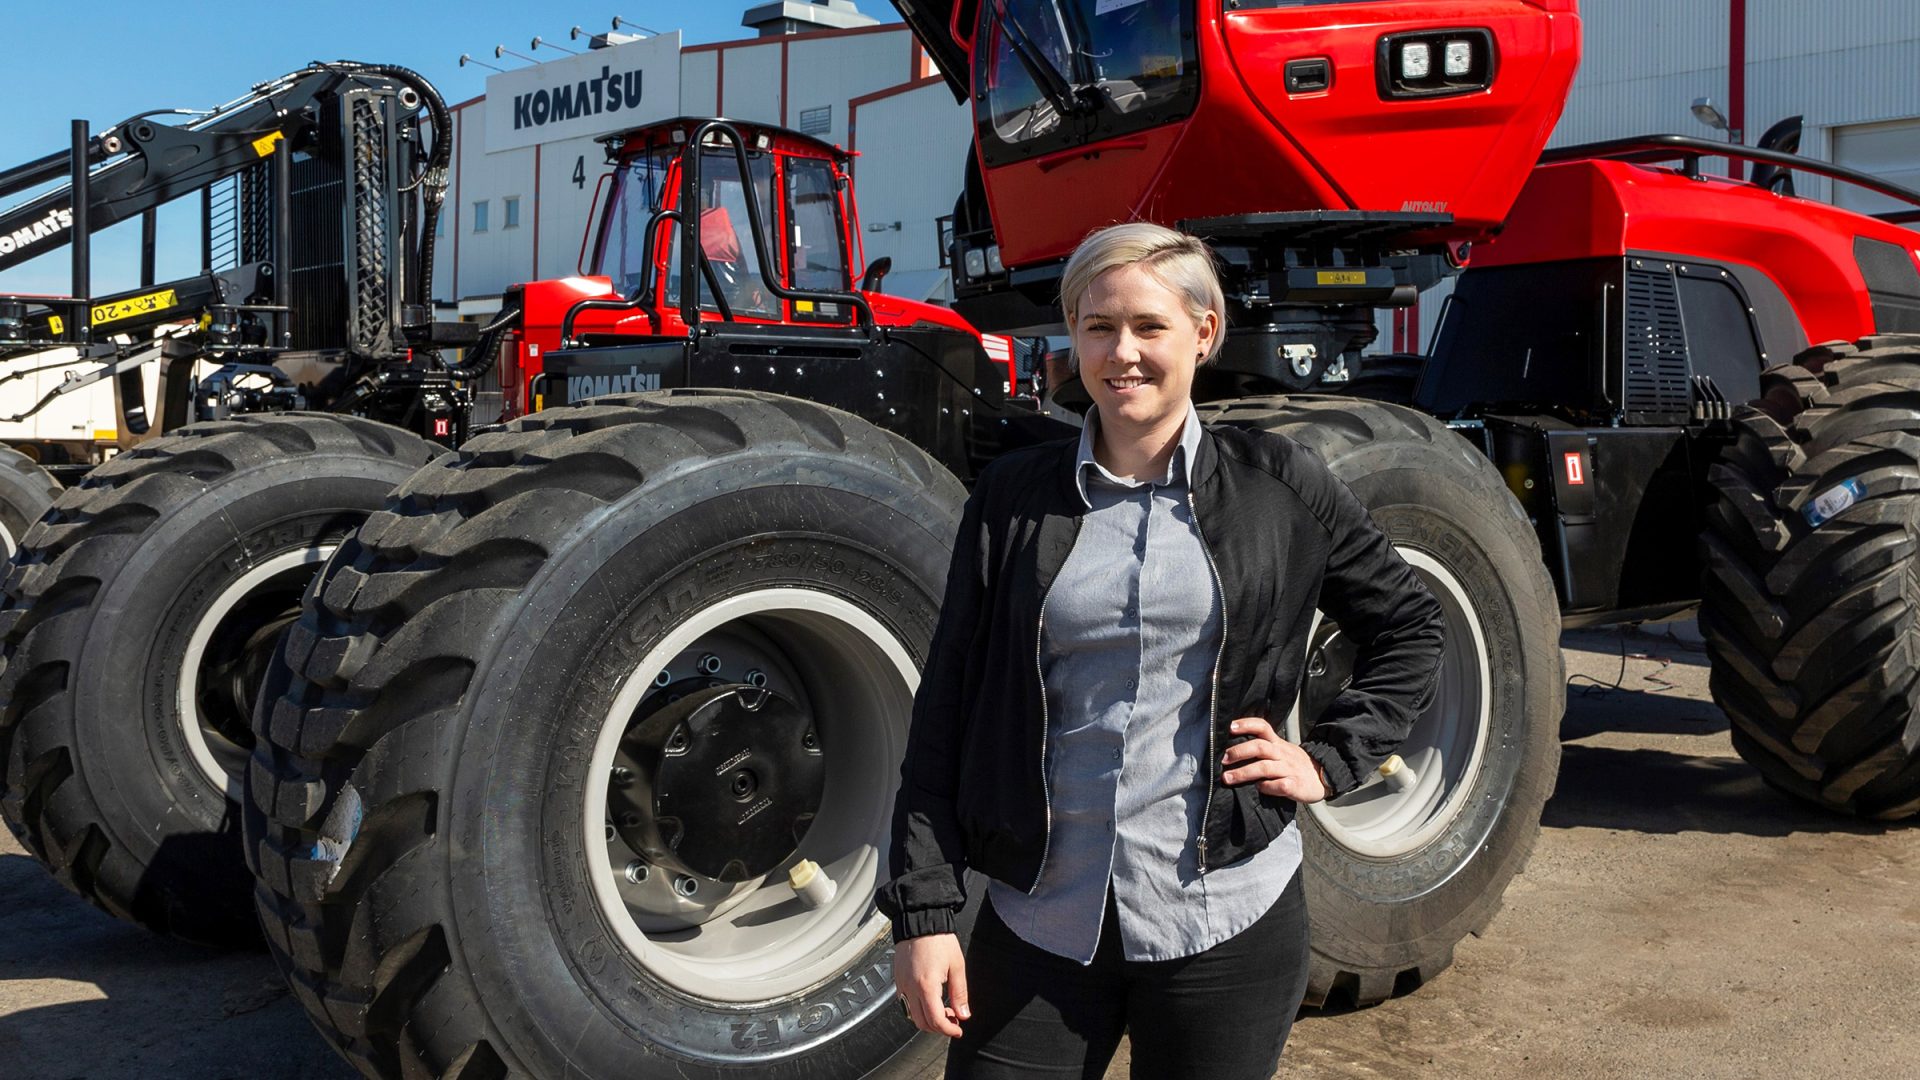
(581, 387)
(55, 223)
(611, 92)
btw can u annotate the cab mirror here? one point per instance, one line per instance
(876, 270)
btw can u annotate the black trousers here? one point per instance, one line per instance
(1221, 1014)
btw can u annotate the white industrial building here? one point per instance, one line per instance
(523, 199)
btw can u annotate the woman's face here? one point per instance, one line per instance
(1138, 347)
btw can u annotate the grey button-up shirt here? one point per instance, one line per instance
(1130, 635)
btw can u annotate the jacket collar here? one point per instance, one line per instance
(1180, 463)
(1197, 452)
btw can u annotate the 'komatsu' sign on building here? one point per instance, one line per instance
(596, 92)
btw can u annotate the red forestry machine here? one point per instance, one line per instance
(580, 757)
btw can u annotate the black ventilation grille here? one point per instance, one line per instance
(1655, 347)
(316, 266)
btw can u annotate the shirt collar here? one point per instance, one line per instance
(1180, 464)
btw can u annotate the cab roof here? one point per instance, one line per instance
(790, 140)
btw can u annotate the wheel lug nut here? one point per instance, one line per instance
(622, 776)
(637, 871)
(630, 820)
(663, 678)
(709, 664)
(685, 885)
(756, 677)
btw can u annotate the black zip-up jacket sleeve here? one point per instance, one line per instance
(1395, 622)
(927, 857)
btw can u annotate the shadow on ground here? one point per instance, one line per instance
(1657, 791)
(85, 995)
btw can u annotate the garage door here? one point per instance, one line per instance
(1890, 151)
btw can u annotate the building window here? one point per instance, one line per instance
(816, 121)
(480, 216)
(511, 212)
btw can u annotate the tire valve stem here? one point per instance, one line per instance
(811, 884)
(1397, 774)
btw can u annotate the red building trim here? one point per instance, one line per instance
(916, 61)
(719, 82)
(536, 213)
(1737, 80)
(783, 83)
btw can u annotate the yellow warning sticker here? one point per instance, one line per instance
(134, 305)
(105, 434)
(56, 324)
(1341, 277)
(264, 144)
(804, 307)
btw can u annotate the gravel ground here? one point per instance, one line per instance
(1679, 919)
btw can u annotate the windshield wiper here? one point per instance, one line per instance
(1064, 95)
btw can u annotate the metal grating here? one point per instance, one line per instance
(255, 214)
(371, 322)
(317, 260)
(1655, 352)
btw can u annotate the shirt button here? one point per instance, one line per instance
(1132, 684)
(1116, 755)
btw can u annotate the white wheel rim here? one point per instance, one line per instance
(734, 947)
(187, 710)
(1445, 754)
(6, 538)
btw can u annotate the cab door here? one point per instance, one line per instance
(1077, 95)
(816, 235)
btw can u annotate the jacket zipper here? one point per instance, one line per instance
(1040, 676)
(1213, 694)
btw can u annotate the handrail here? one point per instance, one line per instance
(689, 191)
(1649, 148)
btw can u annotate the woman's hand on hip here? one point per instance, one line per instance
(922, 967)
(1276, 765)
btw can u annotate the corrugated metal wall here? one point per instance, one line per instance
(1840, 64)
(919, 140)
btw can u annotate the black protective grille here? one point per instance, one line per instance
(372, 272)
(316, 270)
(1655, 348)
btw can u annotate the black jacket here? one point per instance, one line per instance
(1284, 536)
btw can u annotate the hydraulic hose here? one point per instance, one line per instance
(486, 350)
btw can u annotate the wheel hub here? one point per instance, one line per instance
(722, 782)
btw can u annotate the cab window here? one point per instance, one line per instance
(638, 190)
(1065, 72)
(817, 237)
(726, 236)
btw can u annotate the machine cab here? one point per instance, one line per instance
(806, 239)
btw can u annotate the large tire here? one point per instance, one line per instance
(1396, 879)
(138, 617)
(1810, 630)
(436, 812)
(26, 491)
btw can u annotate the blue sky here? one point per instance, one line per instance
(108, 59)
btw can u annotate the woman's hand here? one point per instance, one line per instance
(922, 966)
(1280, 767)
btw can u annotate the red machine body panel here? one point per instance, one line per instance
(1250, 144)
(1590, 209)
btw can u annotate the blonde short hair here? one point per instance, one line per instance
(1179, 262)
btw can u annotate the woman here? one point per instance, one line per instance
(1125, 623)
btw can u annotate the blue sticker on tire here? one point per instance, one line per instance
(1829, 504)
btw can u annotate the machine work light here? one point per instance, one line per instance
(1459, 58)
(1416, 60)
